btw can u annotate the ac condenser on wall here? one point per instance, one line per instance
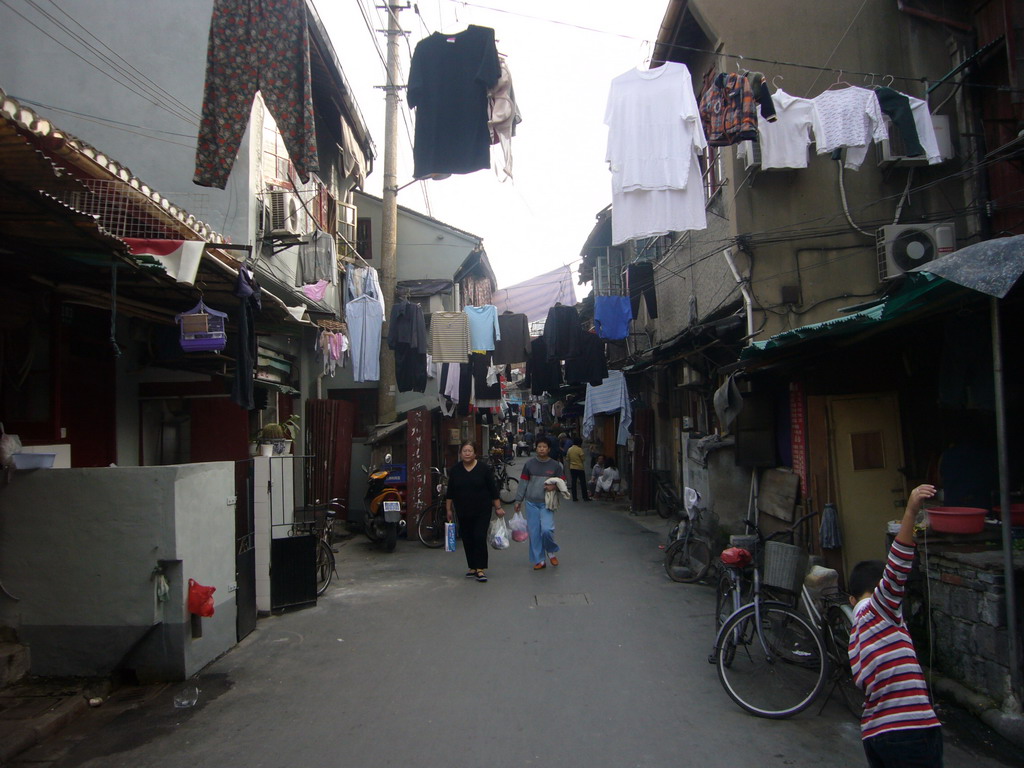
(284, 213)
(902, 247)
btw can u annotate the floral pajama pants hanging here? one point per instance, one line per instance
(255, 45)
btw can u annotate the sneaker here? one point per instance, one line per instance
(554, 561)
(470, 574)
(481, 576)
(539, 566)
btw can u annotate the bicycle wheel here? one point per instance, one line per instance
(507, 490)
(324, 567)
(775, 672)
(688, 560)
(838, 625)
(430, 526)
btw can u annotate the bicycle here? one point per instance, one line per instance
(430, 523)
(507, 484)
(325, 561)
(688, 558)
(666, 502)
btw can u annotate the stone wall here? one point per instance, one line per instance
(967, 595)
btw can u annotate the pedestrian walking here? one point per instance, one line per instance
(899, 727)
(577, 468)
(540, 519)
(473, 492)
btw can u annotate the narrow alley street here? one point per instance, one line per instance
(598, 662)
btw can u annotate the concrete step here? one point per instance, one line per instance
(14, 663)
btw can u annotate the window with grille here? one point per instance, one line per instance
(364, 238)
(608, 273)
(712, 171)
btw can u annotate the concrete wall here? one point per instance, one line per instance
(780, 209)
(156, 138)
(79, 547)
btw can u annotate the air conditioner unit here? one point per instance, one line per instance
(902, 247)
(893, 150)
(285, 213)
(750, 153)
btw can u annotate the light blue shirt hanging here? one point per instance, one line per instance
(483, 326)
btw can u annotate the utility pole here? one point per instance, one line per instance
(387, 385)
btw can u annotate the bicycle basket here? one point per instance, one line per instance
(784, 566)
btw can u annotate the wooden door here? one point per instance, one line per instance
(867, 453)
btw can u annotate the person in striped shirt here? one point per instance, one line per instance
(899, 727)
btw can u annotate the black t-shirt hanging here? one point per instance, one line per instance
(448, 83)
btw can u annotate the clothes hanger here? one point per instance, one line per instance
(889, 84)
(839, 81)
(777, 86)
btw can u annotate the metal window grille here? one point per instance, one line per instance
(608, 273)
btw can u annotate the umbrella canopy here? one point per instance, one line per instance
(991, 267)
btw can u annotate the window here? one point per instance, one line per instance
(364, 238)
(868, 450)
(712, 171)
(608, 273)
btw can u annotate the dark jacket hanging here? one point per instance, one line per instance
(562, 332)
(590, 367)
(542, 374)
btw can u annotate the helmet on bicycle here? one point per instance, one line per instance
(736, 556)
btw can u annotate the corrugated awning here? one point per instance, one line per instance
(384, 431)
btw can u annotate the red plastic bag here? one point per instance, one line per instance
(200, 598)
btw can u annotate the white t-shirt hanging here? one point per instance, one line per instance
(653, 128)
(849, 117)
(925, 129)
(784, 142)
(654, 134)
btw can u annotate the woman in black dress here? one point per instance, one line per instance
(473, 493)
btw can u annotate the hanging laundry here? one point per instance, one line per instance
(483, 327)
(640, 284)
(849, 117)
(611, 396)
(542, 373)
(784, 142)
(728, 110)
(448, 82)
(365, 323)
(318, 259)
(449, 337)
(562, 332)
(591, 366)
(249, 303)
(896, 106)
(503, 116)
(762, 96)
(316, 291)
(485, 395)
(255, 45)
(612, 316)
(656, 177)
(924, 130)
(363, 281)
(407, 337)
(513, 343)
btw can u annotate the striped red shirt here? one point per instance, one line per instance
(882, 655)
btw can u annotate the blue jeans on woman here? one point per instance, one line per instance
(540, 522)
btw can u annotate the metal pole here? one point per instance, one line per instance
(386, 387)
(1012, 641)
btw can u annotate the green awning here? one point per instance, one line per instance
(918, 292)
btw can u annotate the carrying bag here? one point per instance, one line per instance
(518, 522)
(497, 534)
(449, 537)
(200, 598)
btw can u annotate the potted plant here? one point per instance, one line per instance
(276, 437)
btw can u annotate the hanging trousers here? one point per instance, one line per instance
(255, 45)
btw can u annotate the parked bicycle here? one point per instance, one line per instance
(430, 523)
(325, 562)
(507, 484)
(688, 557)
(666, 502)
(788, 630)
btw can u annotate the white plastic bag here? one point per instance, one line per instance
(9, 445)
(518, 522)
(497, 534)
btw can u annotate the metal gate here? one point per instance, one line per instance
(245, 551)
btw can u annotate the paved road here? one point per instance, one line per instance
(599, 662)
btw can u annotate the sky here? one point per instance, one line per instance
(540, 219)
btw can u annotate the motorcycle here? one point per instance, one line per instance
(383, 505)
